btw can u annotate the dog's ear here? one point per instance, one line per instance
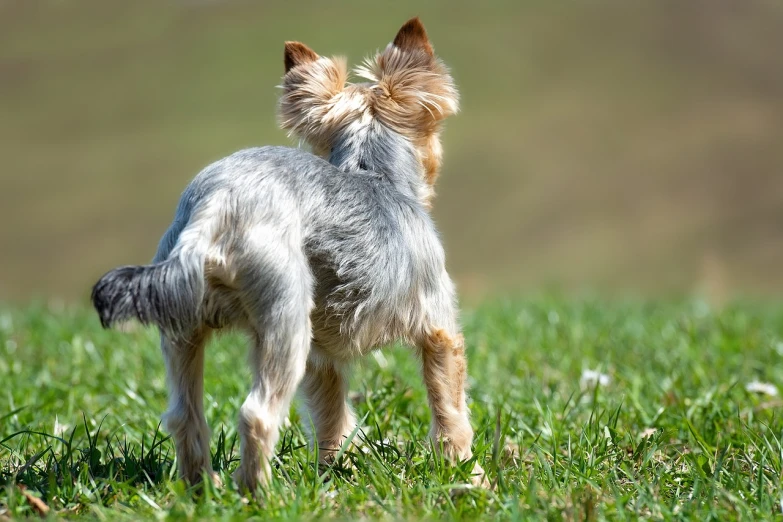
(310, 85)
(413, 37)
(414, 91)
(297, 53)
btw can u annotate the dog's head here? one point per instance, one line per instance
(408, 89)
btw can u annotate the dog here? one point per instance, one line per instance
(321, 257)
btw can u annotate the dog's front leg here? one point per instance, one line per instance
(444, 369)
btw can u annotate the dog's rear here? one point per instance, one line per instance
(233, 256)
(167, 293)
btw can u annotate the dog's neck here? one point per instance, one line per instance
(374, 147)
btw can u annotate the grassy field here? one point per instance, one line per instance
(670, 432)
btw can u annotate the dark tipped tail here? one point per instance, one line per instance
(166, 294)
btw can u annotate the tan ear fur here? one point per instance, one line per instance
(414, 92)
(413, 37)
(311, 91)
(297, 53)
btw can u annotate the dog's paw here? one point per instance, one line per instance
(479, 478)
(216, 480)
(248, 480)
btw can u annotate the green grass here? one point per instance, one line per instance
(674, 434)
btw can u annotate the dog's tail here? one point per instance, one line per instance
(168, 294)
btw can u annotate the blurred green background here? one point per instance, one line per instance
(604, 145)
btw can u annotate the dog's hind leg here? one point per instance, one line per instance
(325, 388)
(444, 368)
(185, 419)
(277, 296)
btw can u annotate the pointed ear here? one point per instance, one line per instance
(307, 103)
(413, 37)
(297, 53)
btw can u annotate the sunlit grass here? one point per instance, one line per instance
(674, 433)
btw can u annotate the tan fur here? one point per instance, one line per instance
(325, 388)
(442, 375)
(444, 368)
(410, 91)
(431, 157)
(313, 105)
(297, 53)
(413, 36)
(413, 91)
(459, 374)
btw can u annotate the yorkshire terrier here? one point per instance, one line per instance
(320, 257)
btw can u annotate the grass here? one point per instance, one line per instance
(673, 434)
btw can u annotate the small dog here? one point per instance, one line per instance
(321, 257)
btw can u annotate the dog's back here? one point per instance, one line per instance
(372, 249)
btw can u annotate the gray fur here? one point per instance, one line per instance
(320, 262)
(165, 294)
(368, 240)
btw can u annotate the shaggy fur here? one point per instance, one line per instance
(320, 261)
(410, 92)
